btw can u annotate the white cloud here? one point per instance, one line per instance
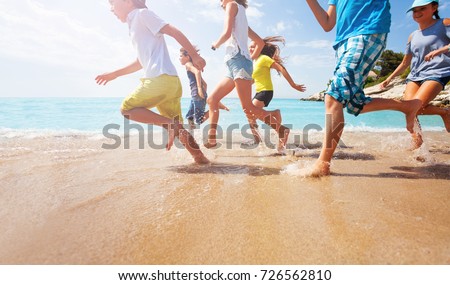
(254, 13)
(444, 6)
(32, 32)
(279, 28)
(315, 44)
(311, 61)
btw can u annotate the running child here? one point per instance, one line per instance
(268, 59)
(240, 68)
(160, 87)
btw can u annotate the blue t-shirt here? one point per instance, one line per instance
(361, 17)
(422, 43)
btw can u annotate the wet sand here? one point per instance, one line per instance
(65, 200)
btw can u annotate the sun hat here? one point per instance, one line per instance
(418, 3)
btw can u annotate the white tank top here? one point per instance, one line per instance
(238, 42)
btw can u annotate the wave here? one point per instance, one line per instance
(10, 133)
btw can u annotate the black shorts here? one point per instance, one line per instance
(264, 96)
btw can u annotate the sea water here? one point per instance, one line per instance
(93, 115)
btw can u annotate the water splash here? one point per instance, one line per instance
(303, 169)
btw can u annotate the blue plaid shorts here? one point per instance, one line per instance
(355, 59)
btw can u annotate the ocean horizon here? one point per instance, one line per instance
(60, 116)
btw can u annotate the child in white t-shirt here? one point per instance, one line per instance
(160, 87)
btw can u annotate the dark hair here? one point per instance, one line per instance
(185, 52)
(436, 14)
(273, 50)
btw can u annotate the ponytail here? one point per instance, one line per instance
(436, 14)
(272, 50)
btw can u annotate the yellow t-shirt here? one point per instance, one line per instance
(261, 73)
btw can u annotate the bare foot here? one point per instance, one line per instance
(223, 107)
(411, 112)
(173, 131)
(446, 119)
(210, 145)
(320, 168)
(201, 159)
(283, 135)
(191, 124)
(417, 141)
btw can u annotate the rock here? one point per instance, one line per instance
(319, 96)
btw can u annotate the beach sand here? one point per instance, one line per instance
(66, 200)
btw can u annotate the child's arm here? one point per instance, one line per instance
(259, 43)
(172, 31)
(198, 76)
(287, 76)
(445, 49)
(230, 14)
(406, 62)
(399, 70)
(109, 76)
(327, 19)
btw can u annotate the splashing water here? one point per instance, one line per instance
(303, 169)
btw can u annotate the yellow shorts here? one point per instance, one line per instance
(163, 92)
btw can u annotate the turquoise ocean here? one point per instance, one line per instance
(90, 115)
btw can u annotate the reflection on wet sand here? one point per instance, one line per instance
(67, 201)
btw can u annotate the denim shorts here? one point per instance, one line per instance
(196, 109)
(239, 67)
(442, 80)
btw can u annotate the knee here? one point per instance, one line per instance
(210, 101)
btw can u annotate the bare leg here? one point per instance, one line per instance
(409, 108)
(446, 119)
(253, 125)
(272, 118)
(434, 110)
(333, 132)
(174, 128)
(426, 93)
(222, 89)
(221, 107)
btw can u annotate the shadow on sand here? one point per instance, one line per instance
(437, 171)
(225, 168)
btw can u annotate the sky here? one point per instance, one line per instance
(54, 48)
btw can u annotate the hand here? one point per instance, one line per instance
(299, 87)
(198, 62)
(385, 84)
(432, 55)
(201, 93)
(105, 78)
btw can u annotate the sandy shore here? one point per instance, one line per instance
(65, 200)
